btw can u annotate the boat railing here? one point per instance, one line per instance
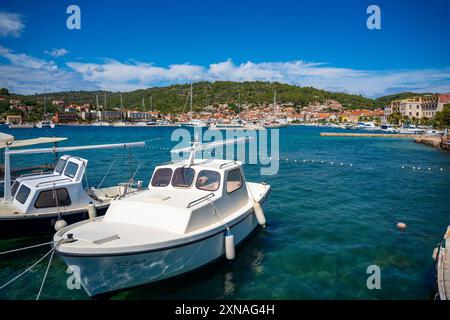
(53, 181)
(200, 200)
(226, 164)
(35, 174)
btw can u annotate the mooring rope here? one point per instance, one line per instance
(218, 215)
(28, 269)
(26, 248)
(46, 272)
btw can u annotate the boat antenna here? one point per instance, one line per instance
(198, 146)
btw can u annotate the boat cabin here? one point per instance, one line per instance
(62, 187)
(183, 198)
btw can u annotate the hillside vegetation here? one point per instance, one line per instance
(174, 98)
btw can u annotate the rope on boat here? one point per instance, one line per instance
(107, 172)
(51, 251)
(218, 215)
(46, 272)
(28, 269)
(26, 248)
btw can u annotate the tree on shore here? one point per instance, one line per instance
(442, 118)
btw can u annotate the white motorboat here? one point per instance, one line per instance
(45, 124)
(388, 128)
(411, 129)
(21, 126)
(367, 126)
(434, 132)
(192, 214)
(196, 123)
(42, 202)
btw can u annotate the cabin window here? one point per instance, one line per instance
(23, 194)
(161, 177)
(47, 199)
(183, 177)
(14, 188)
(208, 180)
(71, 170)
(234, 180)
(60, 165)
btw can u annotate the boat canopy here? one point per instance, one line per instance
(27, 142)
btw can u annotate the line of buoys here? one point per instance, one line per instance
(401, 225)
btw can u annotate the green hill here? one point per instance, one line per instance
(173, 98)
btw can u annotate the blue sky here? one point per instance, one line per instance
(126, 45)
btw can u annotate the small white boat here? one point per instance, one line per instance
(196, 123)
(36, 202)
(411, 129)
(275, 124)
(192, 214)
(434, 132)
(21, 126)
(45, 124)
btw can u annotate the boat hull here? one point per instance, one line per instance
(38, 225)
(102, 274)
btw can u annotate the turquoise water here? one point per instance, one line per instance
(328, 222)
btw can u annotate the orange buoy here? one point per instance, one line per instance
(401, 225)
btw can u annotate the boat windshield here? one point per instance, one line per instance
(161, 178)
(208, 180)
(183, 177)
(23, 194)
(60, 165)
(14, 188)
(71, 170)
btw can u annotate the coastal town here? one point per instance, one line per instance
(417, 110)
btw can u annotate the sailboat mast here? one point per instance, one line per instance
(104, 98)
(45, 103)
(121, 108)
(191, 99)
(274, 100)
(96, 100)
(143, 107)
(239, 102)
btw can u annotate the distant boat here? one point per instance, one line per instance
(21, 126)
(411, 129)
(368, 126)
(388, 128)
(45, 124)
(275, 123)
(193, 122)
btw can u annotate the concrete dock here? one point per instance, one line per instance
(367, 135)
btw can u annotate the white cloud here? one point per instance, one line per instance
(26, 74)
(24, 60)
(11, 24)
(56, 52)
(122, 76)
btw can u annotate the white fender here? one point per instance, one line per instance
(259, 213)
(59, 224)
(229, 246)
(92, 211)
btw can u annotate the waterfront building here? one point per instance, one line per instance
(418, 107)
(65, 117)
(14, 119)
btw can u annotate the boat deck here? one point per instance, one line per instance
(443, 267)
